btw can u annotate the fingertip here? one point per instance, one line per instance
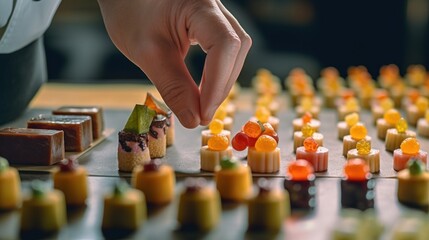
(207, 114)
(188, 119)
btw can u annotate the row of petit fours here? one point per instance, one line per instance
(47, 137)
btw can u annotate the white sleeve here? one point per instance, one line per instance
(29, 20)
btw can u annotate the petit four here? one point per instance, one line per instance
(199, 206)
(157, 137)
(96, 114)
(10, 186)
(306, 131)
(263, 115)
(331, 85)
(416, 75)
(409, 149)
(389, 120)
(151, 174)
(423, 125)
(215, 127)
(315, 155)
(268, 209)
(417, 110)
(344, 126)
(222, 115)
(47, 145)
(43, 212)
(378, 109)
(77, 129)
(395, 136)
(161, 108)
(308, 104)
(364, 151)
(133, 139)
(264, 82)
(72, 180)
(413, 184)
(124, 209)
(306, 118)
(300, 184)
(351, 105)
(357, 133)
(233, 180)
(357, 185)
(217, 148)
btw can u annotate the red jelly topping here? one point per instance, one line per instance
(300, 170)
(69, 164)
(240, 141)
(356, 170)
(151, 166)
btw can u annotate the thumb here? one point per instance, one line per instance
(166, 69)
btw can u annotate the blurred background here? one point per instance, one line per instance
(286, 33)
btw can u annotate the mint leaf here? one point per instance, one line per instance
(140, 119)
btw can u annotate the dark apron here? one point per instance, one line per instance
(21, 75)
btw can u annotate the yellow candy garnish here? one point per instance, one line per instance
(220, 113)
(307, 130)
(427, 115)
(358, 131)
(410, 146)
(351, 119)
(386, 104)
(352, 104)
(401, 126)
(216, 126)
(218, 143)
(422, 104)
(392, 116)
(306, 103)
(265, 143)
(363, 147)
(262, 114)
(264, 100)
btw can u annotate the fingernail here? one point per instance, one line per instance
(188, 119)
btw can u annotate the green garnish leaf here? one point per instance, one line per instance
(4, 164)
(228, 163)
(416, 166)
(38, 188)
(120, 188)
(140, 119)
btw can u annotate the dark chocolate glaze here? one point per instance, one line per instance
(124, 137)
(159, 121)
(358, 194)
(302, 193)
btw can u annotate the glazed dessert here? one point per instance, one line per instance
(308, 104)
(72, 180)
(157, 137)
(270, 102)
(96, 114)
(133, 139)
(423, 125)
(357, 133)
(268, 209)
(156, 181)
(331, 85)
(124, 209)
(43, 211)
(215, 127)
(378, 109)
(350, 105)
(47, 145)
(199, 206)
(264, 82)
(10, 186)
(222, 115)
(389, 120)
(416, 75)
(160, 108)
(233, 180)
(395, 136)
(77, 129)
(300, 184)
(413, 184)
(409, 149)
(299, 84)
(356, 224)
(263, 155)
(417, 110)
(306, 131)
(315, 155)
(298, 123)
(364, 151)
(216, 149)
(343, 127)
(357, 185)
(263, 115)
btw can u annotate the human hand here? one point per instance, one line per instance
(156, 36)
